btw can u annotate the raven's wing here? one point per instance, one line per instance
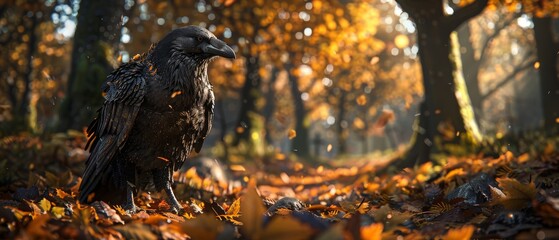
(208, 117)
(125, 90)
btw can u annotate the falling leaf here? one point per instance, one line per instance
(361, 100)
(136, 57)
(329, 148)
(291, 134)
(175, 93)
(237, 168)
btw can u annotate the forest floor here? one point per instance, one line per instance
(509, 195)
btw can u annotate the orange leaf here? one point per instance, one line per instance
(361, 100)
(463, 233)
(372, 232)
(235, 207)
(292, 134)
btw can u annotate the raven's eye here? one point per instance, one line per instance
(200, 39)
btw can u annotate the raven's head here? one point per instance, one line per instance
(190, 43)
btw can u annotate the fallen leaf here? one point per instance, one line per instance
(252, 212)
(463, 233)
(372, 232)
(286, 228)
(517, 195)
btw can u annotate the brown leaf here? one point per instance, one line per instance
(136, 231)
(252, 212)
(37, 229)
(517, 194)
(389, 217)
(286, 228)
(205, 226)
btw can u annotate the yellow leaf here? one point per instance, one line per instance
(235, 207)
(463, 233)
(372, 232)
(292, 134)
(58, 212)
(252, 211)
(45, 205)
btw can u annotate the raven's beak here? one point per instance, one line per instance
(218, 48)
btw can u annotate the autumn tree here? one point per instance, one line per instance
(446, 116)
(547, 47)
(542, 13)
(21, 22)
(96, 39)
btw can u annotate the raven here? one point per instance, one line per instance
(157, 109)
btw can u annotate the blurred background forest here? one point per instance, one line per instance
(316, 79)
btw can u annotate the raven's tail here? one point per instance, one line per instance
(97, 173)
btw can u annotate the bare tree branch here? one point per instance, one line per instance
(510, 77)
(496, 33)
(463, 14)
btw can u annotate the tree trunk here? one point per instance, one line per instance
(97, 35)
(341, 130)
(270, 106)
(300, 144)
(446, 116)
(23, 108)
(250, 94)
(471, 69)
(549, 82)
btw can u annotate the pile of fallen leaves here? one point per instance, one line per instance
(509, 196)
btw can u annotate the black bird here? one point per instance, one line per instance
(158, 108)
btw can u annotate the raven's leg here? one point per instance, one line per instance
(162, 178)
(129, 206)
(128, 179)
